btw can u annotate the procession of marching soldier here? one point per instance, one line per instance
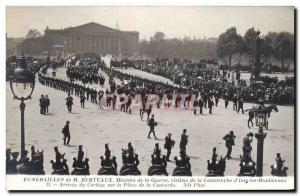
(149, 90)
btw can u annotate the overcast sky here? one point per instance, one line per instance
(173, 21)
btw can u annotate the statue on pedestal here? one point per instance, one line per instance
(215, 166)
(108, 165)
(59, 166)
(159, 163)
(279, 169)
(130, 162)
(183, 166)
(80, 165)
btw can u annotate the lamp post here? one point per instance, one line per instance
(260, 118)
(22, 85)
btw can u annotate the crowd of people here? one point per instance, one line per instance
(207, 92)
(198, 76)
(85, 70)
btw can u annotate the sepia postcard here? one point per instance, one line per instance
(150, 98)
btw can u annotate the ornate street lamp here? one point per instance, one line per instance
(260, 119)
(22, 84)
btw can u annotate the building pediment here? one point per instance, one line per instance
(93, 28)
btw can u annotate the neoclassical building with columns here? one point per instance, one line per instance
(94, 37)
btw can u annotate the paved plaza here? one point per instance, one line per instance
(93, 127)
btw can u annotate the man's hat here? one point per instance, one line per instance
(250, 134)
(68, 121)
(15, 154)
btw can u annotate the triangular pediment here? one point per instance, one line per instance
(93, 27)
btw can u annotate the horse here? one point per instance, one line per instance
(268, 111)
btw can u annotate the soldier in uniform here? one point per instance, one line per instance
(183, 140)
(66, 133)
(169, 144)
(229, 138)
(152, 124)
(82, 100)
(69, 103)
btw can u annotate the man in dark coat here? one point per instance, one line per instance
(210, 104)
(226, 100)
(66, 133)
(169, 144)
(42, 104)
(201, 104)
(47, 103)
(152, 124)
(229, 138)
(195, 106)
(184, 140)
(240, 105)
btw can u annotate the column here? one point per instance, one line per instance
(104, 44)
(100, 45)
